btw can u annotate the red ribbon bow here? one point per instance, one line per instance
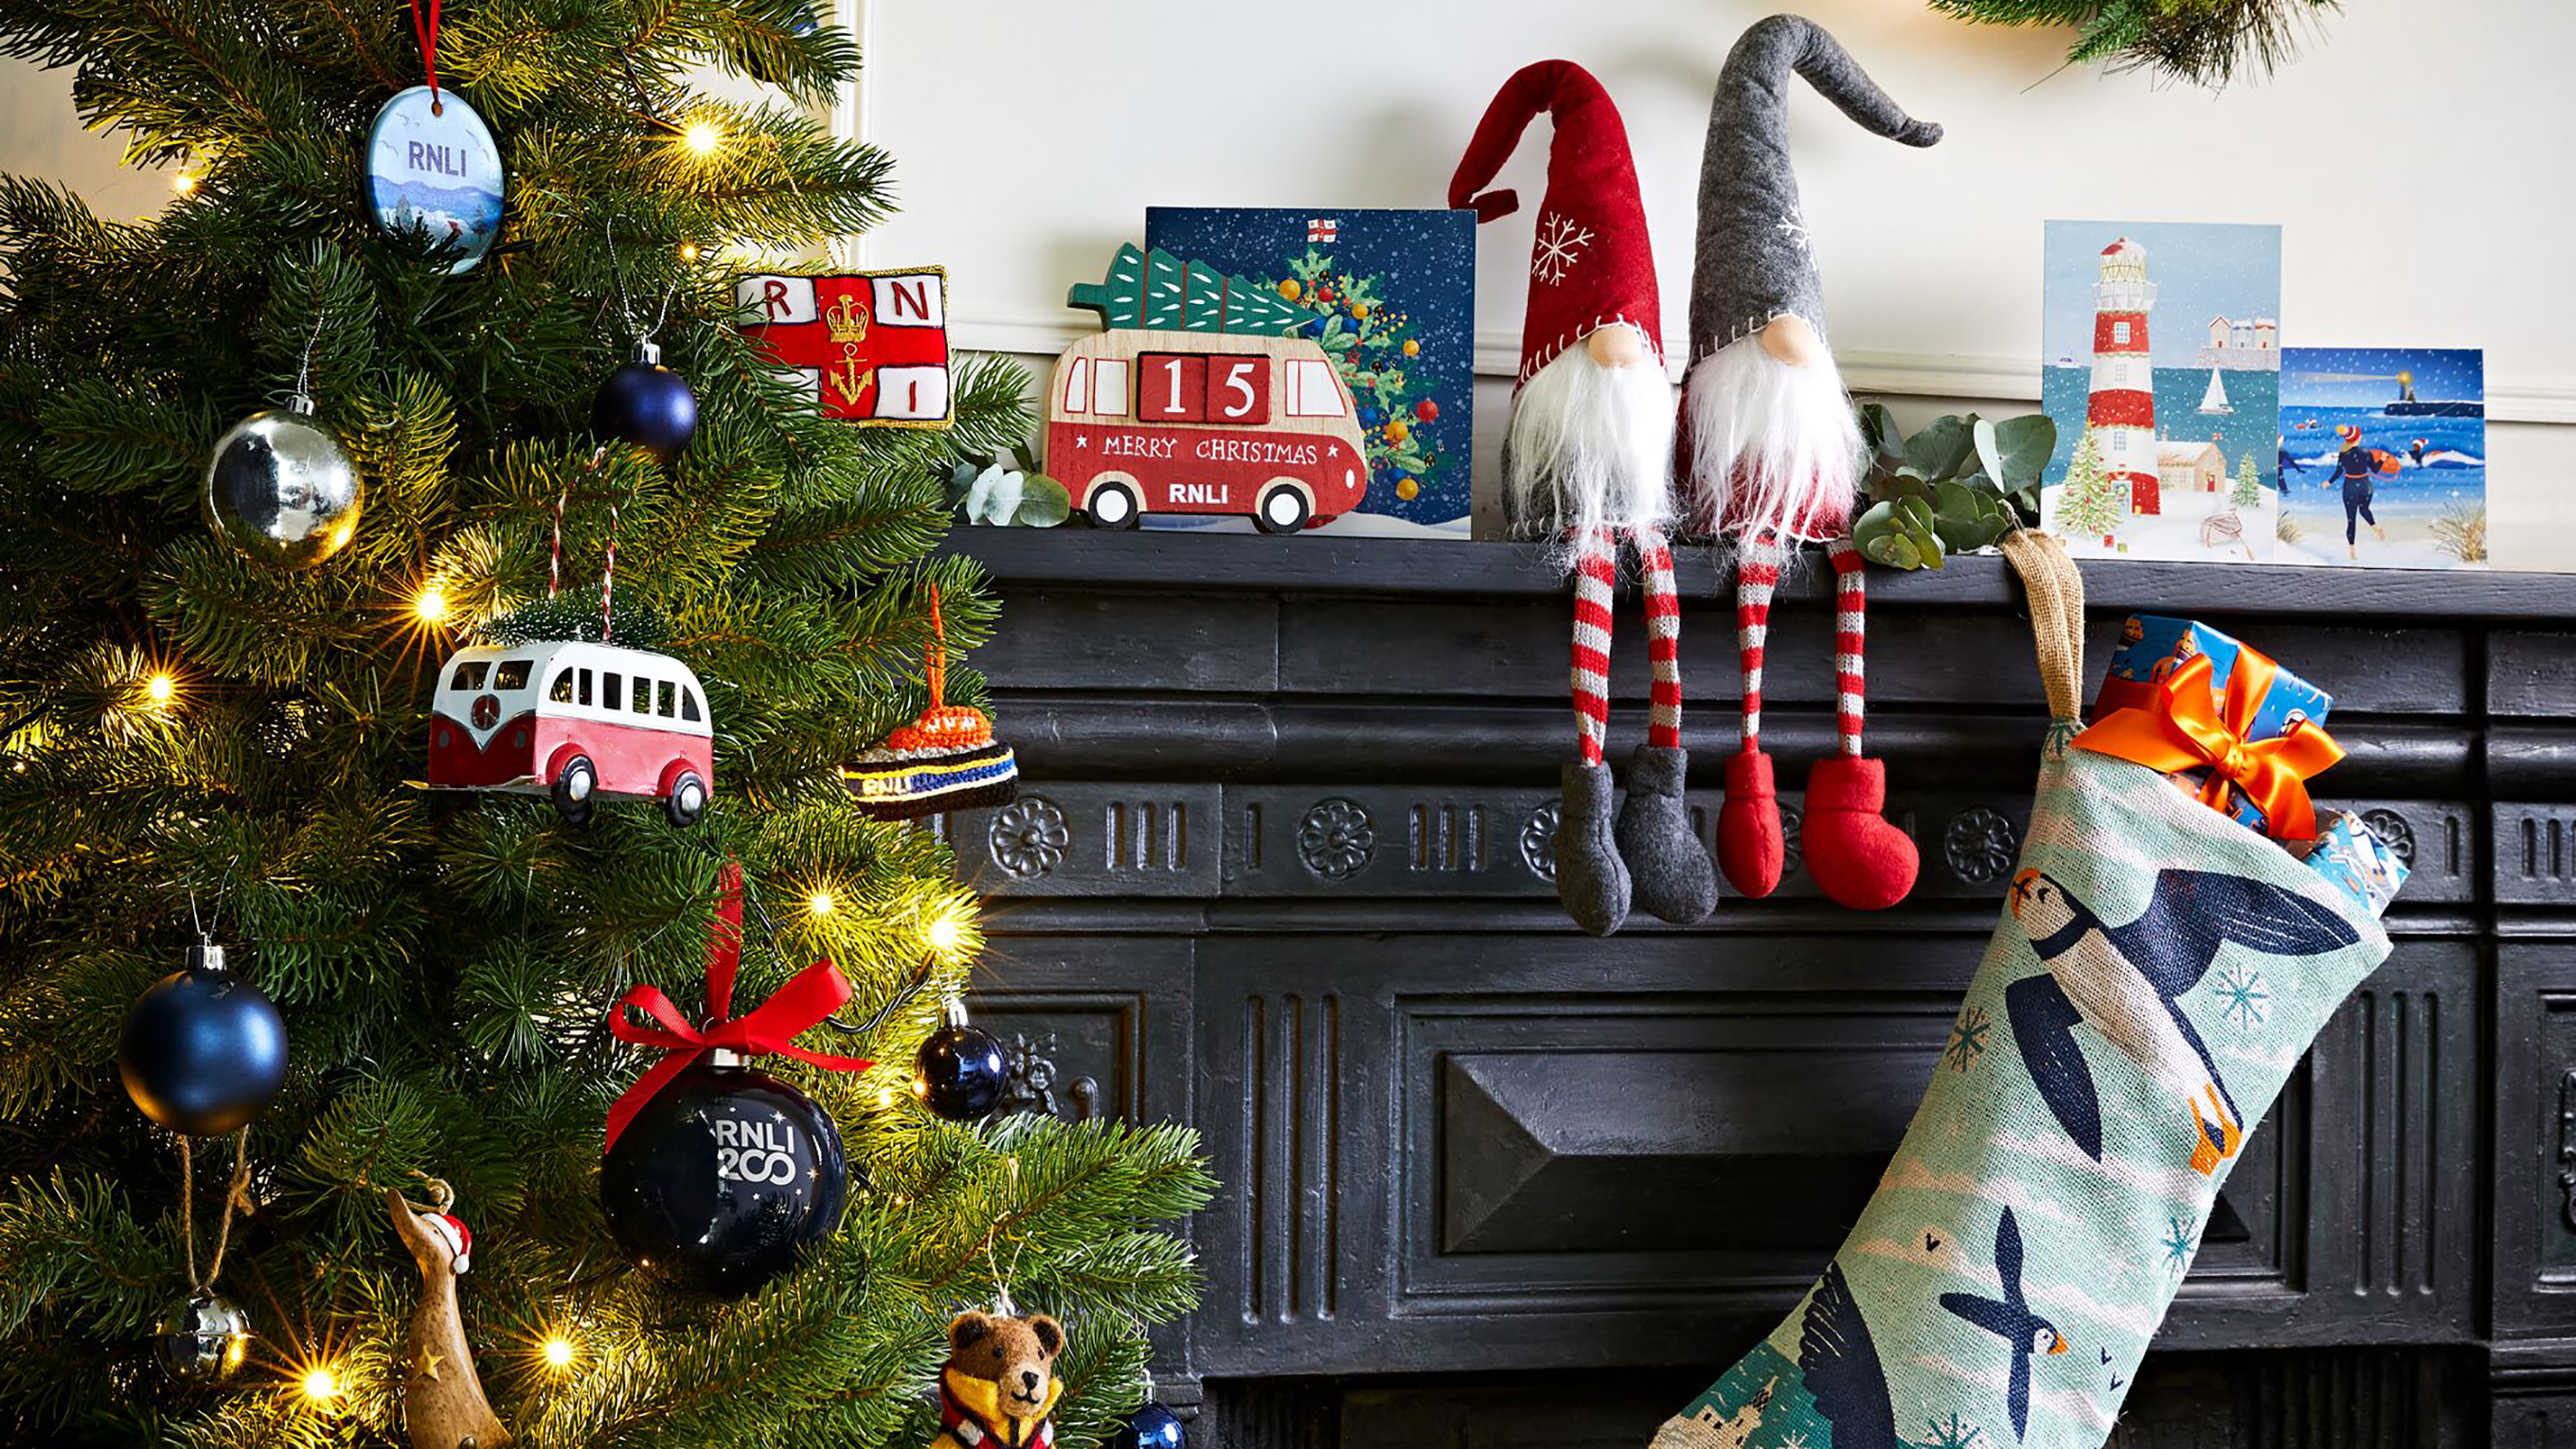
(2182, 727)
(813, 994)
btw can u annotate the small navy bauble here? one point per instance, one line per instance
(203, 1050)
(960, 1072)
(1151, 1427)
(647, 405)
(722, 1178)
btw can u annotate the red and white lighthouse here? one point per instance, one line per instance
(2121, 414)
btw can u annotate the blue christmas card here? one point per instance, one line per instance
(1390, 297)
(2162, 370)
(2384, 457)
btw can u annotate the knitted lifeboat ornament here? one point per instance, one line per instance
(1771, 451)
(1587, 466)
(946, 759)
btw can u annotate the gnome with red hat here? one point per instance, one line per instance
(1771, 452)
(1587, 463)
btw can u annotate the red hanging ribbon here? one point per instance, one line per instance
(426, 30)
(813, 994)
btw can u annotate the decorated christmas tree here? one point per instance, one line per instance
(2091, 500)
(2249, 488)
(297, 466)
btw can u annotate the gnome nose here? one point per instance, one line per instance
(1789, 338)
(1614, 346)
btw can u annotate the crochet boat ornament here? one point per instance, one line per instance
(946, 759)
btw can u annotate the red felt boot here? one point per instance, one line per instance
(1856, 857)
(1751, 848)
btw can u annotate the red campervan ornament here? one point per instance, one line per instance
(576, 721)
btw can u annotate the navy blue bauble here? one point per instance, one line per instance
(203, 1050)
(647, 405)
(722, 1178)
(1151, 1427)
(960, 1072)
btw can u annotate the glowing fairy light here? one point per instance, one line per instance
(430, 605)
(160, 688)
(185, 183)
(557, 1350)
(320, 1384)
(703, 138)
(821, 903)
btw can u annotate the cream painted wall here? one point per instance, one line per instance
(2417, 167)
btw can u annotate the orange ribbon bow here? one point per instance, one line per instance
(2184, 728)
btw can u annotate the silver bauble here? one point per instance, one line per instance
(280, 490)
(203, 1341)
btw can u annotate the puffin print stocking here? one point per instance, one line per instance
(2158, 971)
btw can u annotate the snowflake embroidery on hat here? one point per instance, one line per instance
(1794, 227)
(1560, 243)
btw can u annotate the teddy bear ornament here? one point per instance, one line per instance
(999, 1388)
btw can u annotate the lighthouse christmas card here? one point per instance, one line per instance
(1390, 297)
(2383, 457)
(2162, 369)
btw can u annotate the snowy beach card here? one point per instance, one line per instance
(1390, 297)
(2383, 457)
(2162, 370)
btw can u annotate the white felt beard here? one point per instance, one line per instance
(1774, 448)
(1591, 447)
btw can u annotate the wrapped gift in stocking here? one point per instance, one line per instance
(2158, 971)
(1771, 450)
(1587, 464)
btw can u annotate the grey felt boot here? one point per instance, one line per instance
(1669, 866)
(1590, 878)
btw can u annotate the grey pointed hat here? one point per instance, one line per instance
(1752, 262)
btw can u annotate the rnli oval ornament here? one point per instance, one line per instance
(432, 168)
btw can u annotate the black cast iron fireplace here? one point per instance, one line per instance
(1279, 870)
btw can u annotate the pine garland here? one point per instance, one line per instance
(2205, 42)
(176, 720)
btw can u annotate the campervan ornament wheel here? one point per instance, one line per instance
(1111, 505)
(573, 787)
(1281, 509)
(688, 799)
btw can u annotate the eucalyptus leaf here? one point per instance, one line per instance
(1989, 451)
(2024, 445)
(1938, 450)
(1878, 426)
(1044, 503)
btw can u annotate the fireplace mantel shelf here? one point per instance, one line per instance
(1236, 562)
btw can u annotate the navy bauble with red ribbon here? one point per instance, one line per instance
(717, 1174)
(647, 406)
(722, 1178)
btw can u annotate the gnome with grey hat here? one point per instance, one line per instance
(1770, 453)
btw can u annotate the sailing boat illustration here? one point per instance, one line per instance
(2215, 400)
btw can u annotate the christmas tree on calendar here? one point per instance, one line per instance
(456, 702)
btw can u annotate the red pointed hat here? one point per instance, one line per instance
(1592, 263)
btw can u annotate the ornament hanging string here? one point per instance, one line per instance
(911, 987)
(236, 1199)
(625, 302)
(425, 29)
(807, 998)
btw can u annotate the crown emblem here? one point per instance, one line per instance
(847, 319)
